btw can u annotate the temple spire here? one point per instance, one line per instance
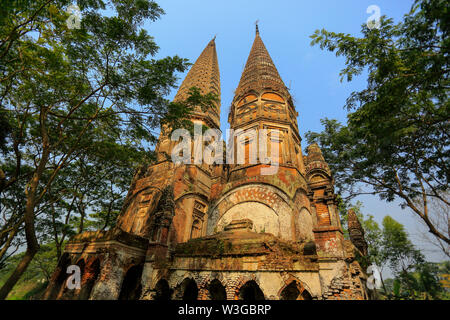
(257, 27)
(204, 74)
(260, 71)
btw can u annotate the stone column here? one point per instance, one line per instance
(148, 281)
(110, 280)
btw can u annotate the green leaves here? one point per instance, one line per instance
(414, 277)
(79, 109)
(396, 140)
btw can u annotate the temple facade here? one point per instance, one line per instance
(225, 231)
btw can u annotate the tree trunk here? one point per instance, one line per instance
(81, 225)
(15, 276)
(32, 243)
(11, 237)
(29, 216)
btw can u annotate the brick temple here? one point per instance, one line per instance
(225, 231)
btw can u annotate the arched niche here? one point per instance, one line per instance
(303, 225)
(247, 99)
(217, 290)
(189, 289)
(264, 218)
(316, 178)
(250, 291)
(272, 97)
(277, 203)
(295, 291)
(196, 229)
(162, 290)
(131, 284)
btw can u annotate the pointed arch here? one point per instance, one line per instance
(189, 289)
(162, 290)
(290, 292)
(295, 291)
(250, 291)
(131, 284)
(217, 290)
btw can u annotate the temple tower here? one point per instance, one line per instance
(263, 117)
(238, 230)
(190, 184)
(262, 101)
(205, 76)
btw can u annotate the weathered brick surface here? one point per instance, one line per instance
(186, 223)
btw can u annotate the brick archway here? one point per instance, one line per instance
(294, 290)
(250, 291)
(265, 194)
(217, 290)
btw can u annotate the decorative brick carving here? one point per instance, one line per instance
(191, 224)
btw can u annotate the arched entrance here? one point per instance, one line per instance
(190, 290)
(250, 291)
(131, 285)
(217, 290)
(295, 291)
(162, 290)
(291, 292)
(305, 295)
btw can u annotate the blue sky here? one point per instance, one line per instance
(285, 27)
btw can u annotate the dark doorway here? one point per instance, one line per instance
(217, 290)
(163, 291)
(250, 291)
(306, 295)
(291, 292)
(190, 290)
(131, 285)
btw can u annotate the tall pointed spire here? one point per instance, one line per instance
(356, 232)
(204, 74)
(260, 71)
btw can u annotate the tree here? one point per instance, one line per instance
(38, 273)
(428, 280)
(396, 140)
(439, 215)
(64, 90)
(414, 278)
(372, 234)
(403, 258)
